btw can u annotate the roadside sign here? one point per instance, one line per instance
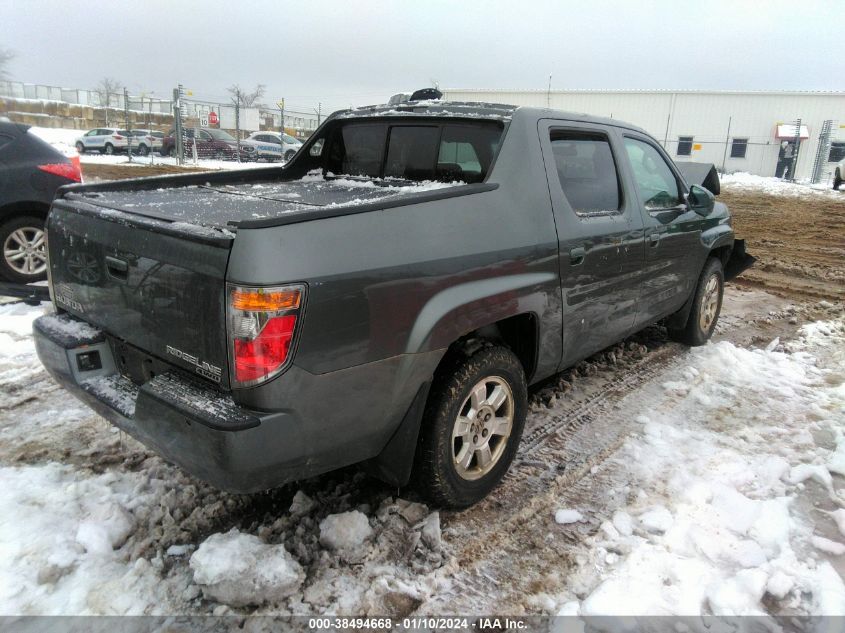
(281, 104)
(212, 118)
(204, 121)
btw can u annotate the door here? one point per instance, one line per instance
(94, 139)
(786, 156)
(600, 236)
(674, 254)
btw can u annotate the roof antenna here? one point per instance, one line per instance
(549, 94)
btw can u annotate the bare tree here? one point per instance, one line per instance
(244, 98)
(6, 56)
(107, 89)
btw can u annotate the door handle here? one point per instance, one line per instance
(576, 256)
(117, 268)
(654, 239)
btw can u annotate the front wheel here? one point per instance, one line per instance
(80, 148)
(472, 425)
(172, 152)
(706, 306)
(289, 154)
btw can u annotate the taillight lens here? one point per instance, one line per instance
(262, 323)
(117, 137)
(69, 170)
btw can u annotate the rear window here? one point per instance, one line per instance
(426, 151)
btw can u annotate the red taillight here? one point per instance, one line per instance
(70, 170)
(261, 326)
(260, 357)
(117, 137)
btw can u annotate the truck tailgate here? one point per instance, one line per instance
(159, 292)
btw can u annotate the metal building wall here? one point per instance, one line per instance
(704, 115)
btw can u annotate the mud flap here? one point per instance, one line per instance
(396, 460)
(739, 261)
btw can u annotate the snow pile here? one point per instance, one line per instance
(345, 531)
(61, 536)
(239, 569)
(745, 182)
(19, 365)
(731, 510)
(565, 516)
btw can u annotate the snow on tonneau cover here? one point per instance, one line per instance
(149, 265)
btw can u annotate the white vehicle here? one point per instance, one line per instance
(271, 145)
(839, 174)
(106, 140)
(146, 141)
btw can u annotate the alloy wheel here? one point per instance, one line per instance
(25, 251)
(482, 428)
(709, 304)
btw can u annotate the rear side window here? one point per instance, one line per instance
(587, 171)
(425, 151)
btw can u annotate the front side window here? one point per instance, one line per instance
(655, 180)
(738, 147)
(587, 171)
(684, 145)
(220, 135)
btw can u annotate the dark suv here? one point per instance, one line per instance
(30, 172)
(211, 143)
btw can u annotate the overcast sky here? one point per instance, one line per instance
(352, 53)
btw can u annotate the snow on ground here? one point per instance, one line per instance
(743, 182)
(729, 483)
(733, 503)
(64, 140)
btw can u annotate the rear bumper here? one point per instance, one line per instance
(197, 428)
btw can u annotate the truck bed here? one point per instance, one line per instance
(228, 205)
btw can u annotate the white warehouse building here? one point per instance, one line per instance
(735, 130)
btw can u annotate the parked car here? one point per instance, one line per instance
(266, 326)
(273, 146)
(146, 141)
(31, 171)
(106, 140)
(838, 174)
(212, 143)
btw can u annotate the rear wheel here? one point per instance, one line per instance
(109, 149)
(80, 148)
(837, 180)
(24, 250)
(172, 153)
(706, 306)
(289, 154)
(143, 150)
(472, 425)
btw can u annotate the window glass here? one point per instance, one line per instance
(411, 153)
(739, 147)
(289, 139)
(91, 133)
(587, 171)
(656, 182)
(837, 151)
(466, 152)
(357, 150)
(684, 145)
(220, 135)
(123, 132)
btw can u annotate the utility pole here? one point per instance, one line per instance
(727, 140)
(549, 94)
(319, 113)
(238, 121)
(281, 104)
(150, 128)
(127, 123)
(177, 118)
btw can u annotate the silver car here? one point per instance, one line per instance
(272, 146)
(146, 141)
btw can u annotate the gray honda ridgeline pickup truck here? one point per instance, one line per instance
(386, 297)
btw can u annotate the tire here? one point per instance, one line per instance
(143, 150)
(109, 149)
(453, 408)
(172, 153)
(20, 261)
(80, 148)
(289, 154)
(706, 306)
(837, 180)
(219, 155)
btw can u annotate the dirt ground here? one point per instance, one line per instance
(95, 172)
(799, 242)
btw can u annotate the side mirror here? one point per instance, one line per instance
(700, 200)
